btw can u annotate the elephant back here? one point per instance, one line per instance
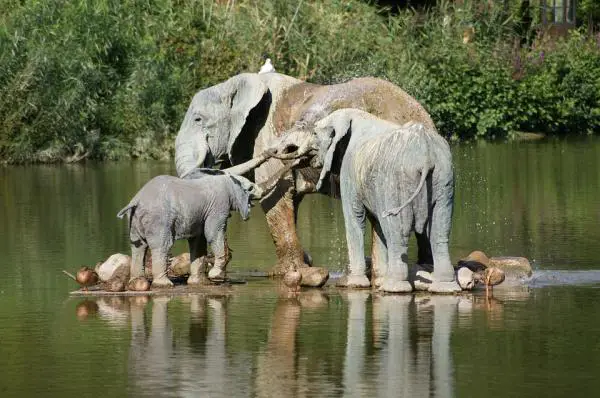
(389, 102)
(307, 103)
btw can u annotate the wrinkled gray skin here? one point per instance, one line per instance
(168, 208)
(401, 178)
(235, 122)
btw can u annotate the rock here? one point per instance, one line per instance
(493, 276)
(422, 280)
(109, 268)
(477, 256)
(115, 285)
(139, 284)
(180, 265)
(86, 277)
(513, 267)
(465, 278)
(314, 276)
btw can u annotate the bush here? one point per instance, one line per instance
(113, 78)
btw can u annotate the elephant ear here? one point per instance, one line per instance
(244, 93)
(241, 198)
(339, 127)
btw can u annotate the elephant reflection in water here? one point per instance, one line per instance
(279, 371)
(159, 362)
(276, 366)
(151, 348)
(412, 346)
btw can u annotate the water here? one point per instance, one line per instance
(540, 200)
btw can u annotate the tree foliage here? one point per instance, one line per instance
(112, 79)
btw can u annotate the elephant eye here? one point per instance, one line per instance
(198, 119)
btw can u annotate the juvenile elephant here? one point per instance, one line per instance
(168, 208)
(401, 178)
(234, 122)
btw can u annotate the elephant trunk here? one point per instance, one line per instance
(271, 183)
(189, 154)
(289, 148)
(251, 164)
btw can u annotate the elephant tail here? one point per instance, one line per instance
(132, 205)
(396, 210)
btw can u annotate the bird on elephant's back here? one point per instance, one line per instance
(234, 122)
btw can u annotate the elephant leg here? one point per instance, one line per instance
(397, 231)
(139, 248)
(379, 255)
(444, 280)
(280, 209)
(197, 258)
(160, 257)
(306, 257)
(354, 221)
(219, 247)
(138, 253)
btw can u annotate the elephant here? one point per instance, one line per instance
(168, 208)
(232, 124)
(401, 178)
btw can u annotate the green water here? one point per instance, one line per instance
(540, 200)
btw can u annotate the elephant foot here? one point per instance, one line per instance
(291, 262)
(216, 274)
(162, 282)
(395, 285)
(444, 287)
(282, 268)
(354, 282)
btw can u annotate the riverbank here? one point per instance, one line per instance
(112, 80)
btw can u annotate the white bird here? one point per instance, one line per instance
(267, 67)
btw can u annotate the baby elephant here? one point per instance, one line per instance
(169, 208)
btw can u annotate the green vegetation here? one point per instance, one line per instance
(112, 78)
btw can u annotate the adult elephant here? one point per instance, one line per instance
(233, 123)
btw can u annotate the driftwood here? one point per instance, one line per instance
(70, 275)
(223, 288)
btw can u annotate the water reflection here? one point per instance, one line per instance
(157, 364)
(394, 344)
(538, 200)
(412, 340)
(276, 365)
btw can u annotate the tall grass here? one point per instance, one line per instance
(112, 78)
